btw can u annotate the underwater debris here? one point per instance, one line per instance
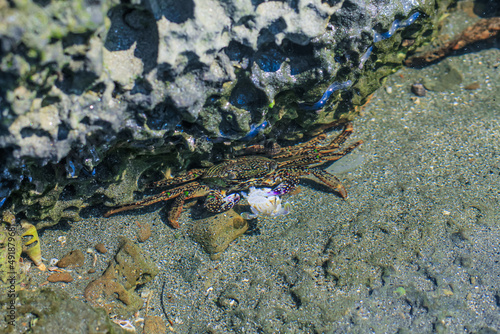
(264, 203)
(482, 30)
(125, 324)
(31, 246)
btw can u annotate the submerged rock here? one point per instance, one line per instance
(51, 311)
(73, 259)
(60, 277)
(216, 232)
(115, 289)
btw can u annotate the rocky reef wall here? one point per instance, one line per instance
(95, 95)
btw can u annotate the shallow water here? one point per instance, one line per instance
(416, 245)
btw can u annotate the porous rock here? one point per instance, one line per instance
(115, 289)
(154, 325)
(216, 232)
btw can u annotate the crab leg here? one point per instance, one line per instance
(184, 192)
(299, 149)
(331, 155)
(311, 146)
(176, 209)
(340, 139)
(186, 177)
(291, 180)
(290, 183)
(330, 180)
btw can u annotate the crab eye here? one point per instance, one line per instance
(232, 175)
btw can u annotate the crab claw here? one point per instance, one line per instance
(218, 202)
(282, 188)
(231, 200)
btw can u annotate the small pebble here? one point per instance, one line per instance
(415, 100)
(407, 43)
(91, 270)
(473, 86)
(101, 248)
(418, 89)
(144, 232)
(447, 292)
(72, 259)
(60, 277)
(388, 89)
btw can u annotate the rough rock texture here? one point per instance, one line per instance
(49, 311)
(73, 259)
(93, 93)
(115, 289)
(216, 232)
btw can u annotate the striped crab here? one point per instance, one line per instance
(221, 183)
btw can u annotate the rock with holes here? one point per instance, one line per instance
(115, 289)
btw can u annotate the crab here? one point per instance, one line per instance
(221, 183)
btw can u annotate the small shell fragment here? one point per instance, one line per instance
(62, 240)
(418, 89)
(125, 324)
(31, 244)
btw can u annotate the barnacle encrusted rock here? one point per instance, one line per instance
(93, 93)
